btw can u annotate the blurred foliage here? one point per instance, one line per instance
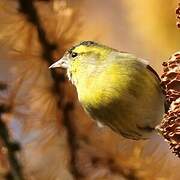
(155, 22)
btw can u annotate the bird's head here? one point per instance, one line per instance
(83, 59)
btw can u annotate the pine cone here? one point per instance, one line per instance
(170, 126)
(178, 15)
(171, 78)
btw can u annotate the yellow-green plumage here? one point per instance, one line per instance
(116, 89)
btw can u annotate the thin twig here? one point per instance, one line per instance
(28, 8)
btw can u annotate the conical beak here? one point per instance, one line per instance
(62, 63)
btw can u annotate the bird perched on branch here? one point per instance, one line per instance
(116, 88)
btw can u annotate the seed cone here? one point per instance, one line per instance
(170, 126)
(178, 16)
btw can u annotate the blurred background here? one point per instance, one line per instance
(39, 107)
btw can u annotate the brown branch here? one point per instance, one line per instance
(71, 139)
(28, 8)
(3, 86)
(12, 147)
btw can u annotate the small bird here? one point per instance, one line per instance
(115, 88)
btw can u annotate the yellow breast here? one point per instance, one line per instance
(104, 87)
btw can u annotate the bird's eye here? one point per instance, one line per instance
(74, 54)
